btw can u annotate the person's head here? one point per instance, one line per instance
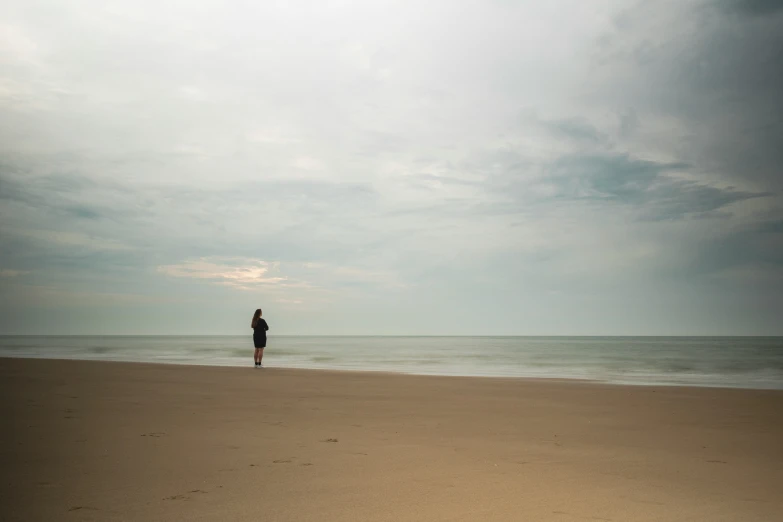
(257, 314)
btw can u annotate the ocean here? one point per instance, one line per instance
(740, 362)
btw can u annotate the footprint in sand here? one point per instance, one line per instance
(329, 440)
(184, 496)
(79, 508)
(154, 434)
(281, 461)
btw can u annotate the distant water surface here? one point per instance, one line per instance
(744, 362)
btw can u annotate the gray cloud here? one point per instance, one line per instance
(716, 88)
(391, 164)
(754, 251)
(578, 129)
(647, 185)
(611, 177)
(755, 7)
(574, 128)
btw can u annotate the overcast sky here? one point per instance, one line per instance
(391, 167)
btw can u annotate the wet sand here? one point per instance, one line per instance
(119, 441)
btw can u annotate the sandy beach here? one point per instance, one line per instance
(120, 441)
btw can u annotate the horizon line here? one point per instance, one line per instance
(384, 335)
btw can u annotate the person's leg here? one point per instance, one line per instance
(257, 356)
(260, 354)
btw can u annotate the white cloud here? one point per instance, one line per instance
(193, 93)
(303, 283)
(239, 273)
(17, 47)
(307, 163)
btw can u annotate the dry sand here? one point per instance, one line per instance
(114, 441)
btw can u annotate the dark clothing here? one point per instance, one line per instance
(259, 333)
(261, 327)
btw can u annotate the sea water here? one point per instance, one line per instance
(744, 362)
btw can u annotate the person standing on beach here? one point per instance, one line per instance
(259, 327)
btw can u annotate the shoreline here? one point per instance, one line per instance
(639, 384)
(704, 362)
